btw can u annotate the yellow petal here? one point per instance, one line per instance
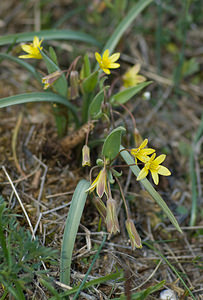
(26, 56)
(36, 42)
(135, 69)
(143, 173)
(107, 71)
(27, 48)
(98, 57)
(164, 171)
(106, 54)
(144, 143)
(113, 65)
(155, 177)
(140, 78)
(114, 57)
(160, 159)
(147, 151)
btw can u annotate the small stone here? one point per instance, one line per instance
(168, 295)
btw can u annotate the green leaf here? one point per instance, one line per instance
(51, 34)
(95, 106)
(90, 82)
(61, 83)
(71, 228)
(125, 95)
(39, 97)
(23, 64)
(112, 143)
(53, 55)
(136, 170)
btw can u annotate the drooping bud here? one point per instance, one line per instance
(50, 79)
(111, 217)
(74, 85)
(86, 156)
(100, 207)
(137, 137)
(133, 234)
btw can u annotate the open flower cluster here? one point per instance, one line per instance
(151, 164)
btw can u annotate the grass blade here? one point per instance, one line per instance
(94, 282)
(135, 169)
(193, 176)
(51, 34)
(39, 97)
(71, 228)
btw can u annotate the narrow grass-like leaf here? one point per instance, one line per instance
(126, 94)
(135, 169)
(71, 228)
(22, 63)
(51, 34)
(193, 176)
(39, 97)
(94, 282)
(145, 293)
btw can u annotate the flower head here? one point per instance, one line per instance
(107, 62)
(153, 165)
(111, 217)
(50, 79)
(132, 78)
(32, 49)
(133, 235)
(85, 156)
(141, 153)
(99, 183)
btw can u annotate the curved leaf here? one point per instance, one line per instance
(39, 97)
(51, 34)
(71, 228)
(95, 105)
(125, 95)
(23, 64)
(112, 143)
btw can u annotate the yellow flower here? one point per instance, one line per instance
(32, 49)
(99, 183)
(107, 62)
(141, 153)
(153, 165)
(132, 78)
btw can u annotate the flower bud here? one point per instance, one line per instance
(100, 207)
(86, 156)
(111, 218)
(137, 137)
(133, 234)
(74, 85)
(50, 79)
